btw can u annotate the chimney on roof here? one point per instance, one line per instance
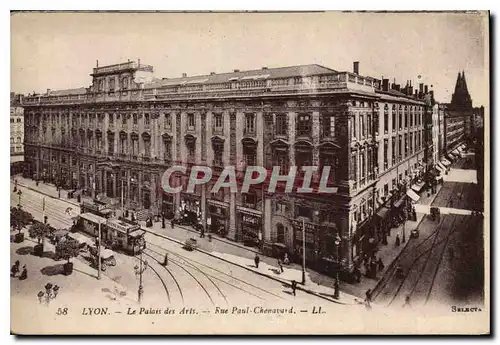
(48, 91)
(355, 67)
(184, 75)
(236, 70)
(397, 87)
(385, 84)
(212, 73)
(416, 93)
(97, 63)
(138, 62)
(264, 68)
(426, 89)
(421, 88)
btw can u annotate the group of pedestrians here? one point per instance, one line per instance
(14, 270)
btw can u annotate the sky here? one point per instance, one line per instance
(58, 50)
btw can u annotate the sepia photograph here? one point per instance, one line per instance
(230, 173)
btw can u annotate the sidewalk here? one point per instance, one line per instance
(46, 189)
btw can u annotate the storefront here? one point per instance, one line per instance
(311, 247)
(250, 222)
(383, 224)
(190, 208)
(167, 205)
(217, 217)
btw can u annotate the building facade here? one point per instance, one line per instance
(458, 116)
(119, 135)
(16, 128)
(436, 155)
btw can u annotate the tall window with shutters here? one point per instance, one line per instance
(304, 125)
(328, 126)
(281, 127)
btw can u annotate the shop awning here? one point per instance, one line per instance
(400, 201)
(417, 187)
(414, 196)
(61, 233)
(382, 212)
(446, 162)
(81, 238)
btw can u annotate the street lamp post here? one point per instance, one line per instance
(138, 271)
(132, 180)
(303, 251)
(122, 196)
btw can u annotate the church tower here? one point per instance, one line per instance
(461, 100)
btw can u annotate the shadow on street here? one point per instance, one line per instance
(52, 270)
(25, 250)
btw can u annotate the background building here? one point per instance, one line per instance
(458, 116)
(118, 136)
(16, 128)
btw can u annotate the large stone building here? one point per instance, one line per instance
(16, 128)
(120, 134)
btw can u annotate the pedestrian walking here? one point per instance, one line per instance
(368, 298)
(357, 274)
(407, 302)
(380, 264)
(202, 232)
(336, 286)
(294, 286)
(24, 273)
(280, 265)
(172, 222)
(165, 260)
(286, 260)
(256, 260)
(14, 269)
(398, 241)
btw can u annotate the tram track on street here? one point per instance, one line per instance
(420, 272)
(189, 273)
(170, 273)
(389, 275)
(159, 277)
(193, 262)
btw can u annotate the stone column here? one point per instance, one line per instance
(203, 207)
(231, 234)
(177, 200)
(291, 137)
(105, 182)
(115, 177)
(38, 157)
(266, 215)
(346, 244)
(315, 138)
(128, 196)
